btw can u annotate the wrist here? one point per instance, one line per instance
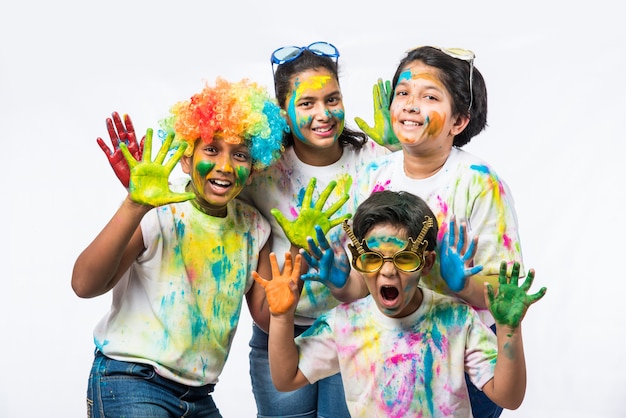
(136, 206)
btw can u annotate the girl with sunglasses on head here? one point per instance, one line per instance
(403, 349)
(319, 146)
(436, 103)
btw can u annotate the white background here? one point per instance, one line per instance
(555, 74)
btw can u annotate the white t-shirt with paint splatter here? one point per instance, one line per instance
(178, 306)
(407, 367)
(468, 188)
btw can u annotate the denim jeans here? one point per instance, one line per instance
(323, 399)
(124, 389)
(482, 406)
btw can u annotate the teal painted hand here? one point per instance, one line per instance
(303, 226)
(282, 291)
(332, 265)
(509, 306)
(149, 180)
(456, 258)
(382, 131)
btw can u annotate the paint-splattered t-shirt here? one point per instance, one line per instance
(178, 306)
(407, 367)
(282, 187)
(465, 187)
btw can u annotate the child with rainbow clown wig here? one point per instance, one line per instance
(179, 259)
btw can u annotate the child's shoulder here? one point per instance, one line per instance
(245, 212)
(439, 301)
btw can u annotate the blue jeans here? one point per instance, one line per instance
(323, 399)
(482, 406)
(123, 389)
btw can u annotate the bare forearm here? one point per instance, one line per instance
(97, 268)
(508, 386)
(283, 354)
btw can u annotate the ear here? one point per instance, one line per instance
(429, 259)
(460, 124)
(185, 164)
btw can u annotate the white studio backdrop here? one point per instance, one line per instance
(555, 76)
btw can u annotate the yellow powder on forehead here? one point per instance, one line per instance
(315, 82)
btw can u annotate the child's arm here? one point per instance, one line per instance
(99, 267)
(282, 297)
(508, 386)
(257, 302)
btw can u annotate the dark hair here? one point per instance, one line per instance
(455, 77)
(402, 210)
(283, 82)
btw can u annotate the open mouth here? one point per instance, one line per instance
(389, 294)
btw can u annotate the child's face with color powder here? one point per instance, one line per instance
(219, 171)
(395, 292)
(421, 108)
(315, 108)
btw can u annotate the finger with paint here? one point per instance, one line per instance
(330, 263)
(121, 132)
(511, 302)
(312, 215)
(282, 290)
(149, 179)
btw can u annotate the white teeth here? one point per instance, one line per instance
(322, 130)
(411, 123)
(221, 183)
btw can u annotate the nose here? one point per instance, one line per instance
(411, 105)
(388, 269)
(224, 164)
(322, 113)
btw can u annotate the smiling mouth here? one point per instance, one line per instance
(411, 123)
(220, 183)
(323, 130)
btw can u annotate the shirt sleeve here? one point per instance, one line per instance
(317, 352)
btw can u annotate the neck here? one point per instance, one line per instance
(318, 157)
(204, 206)
(420, 166)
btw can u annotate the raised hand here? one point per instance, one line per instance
(510, 304)
(282, 291)
(455, 257)
(121, 132)
(303, 226)
(382, 131)
(332, 265)
(149, 180)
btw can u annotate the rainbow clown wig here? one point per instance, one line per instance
(240, 112)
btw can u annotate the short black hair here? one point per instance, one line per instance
(402, 210)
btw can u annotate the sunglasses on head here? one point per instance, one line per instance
(290, 53)
(408, 260)
(463, 55)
